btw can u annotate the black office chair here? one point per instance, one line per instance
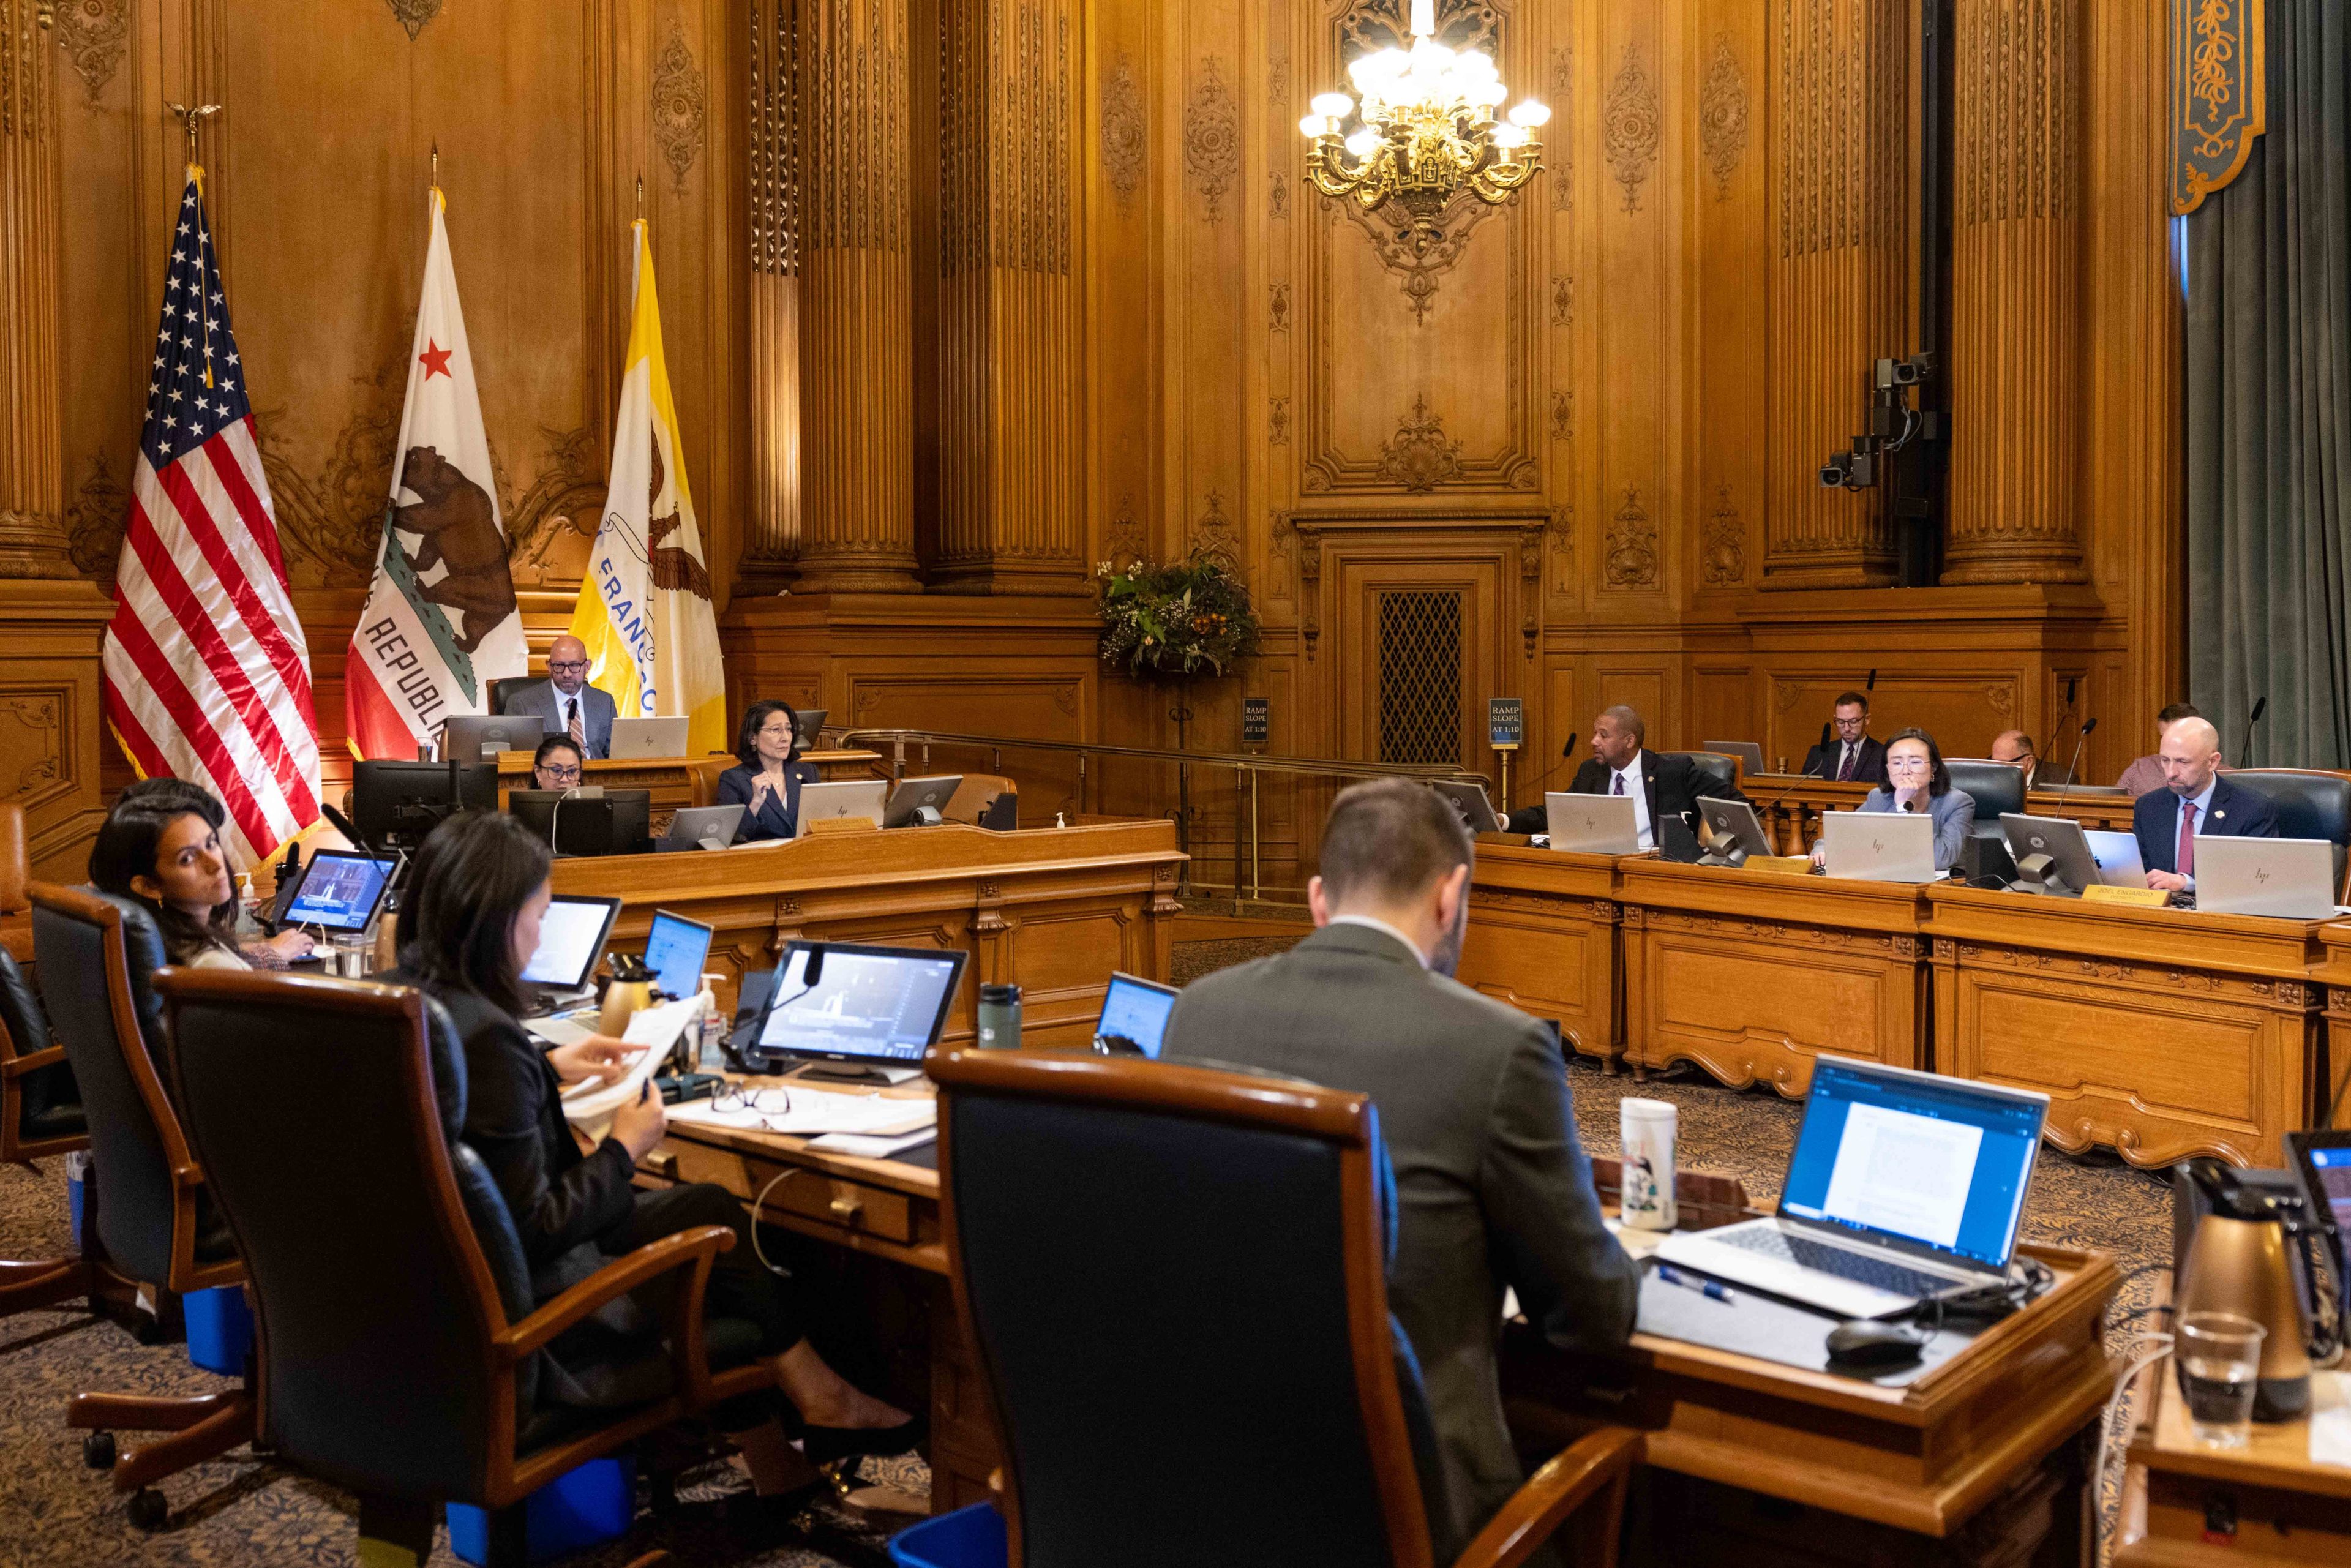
(40, 1114)
(2311, 804)
(1719, 767)
(1997, 787)
(157, 1224)
(506, 686)
(1219, 1278)
(395, 1316)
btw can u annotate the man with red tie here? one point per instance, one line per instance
(1849, 755)
(2196, 797)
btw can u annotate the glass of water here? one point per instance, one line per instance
(2220, 1357)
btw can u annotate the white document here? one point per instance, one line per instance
(592, 1112)
(659, 1027)
(816, 1112)
(2330, 1418)
(1904, 1172)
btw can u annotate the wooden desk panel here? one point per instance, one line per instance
(1752, 974)
(1542, 938)
(2333, 972)
(1053, 910)
(2161, 1033)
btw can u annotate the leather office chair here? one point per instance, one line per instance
(2311, 804)
(506, 686)
(16, 874)
(395, 1316)
(984, 800)
(1997, 787)
(98, 959)
(1717, 766)
(1221, 1273)
(40, 1114)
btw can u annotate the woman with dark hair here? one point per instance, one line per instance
(556, 764)
(178, 795)
(767, 777)
(167, 855)
(476, 897)
(1917, 781)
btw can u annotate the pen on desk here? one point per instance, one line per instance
(1713, 1289)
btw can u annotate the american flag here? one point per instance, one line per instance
(207, 674)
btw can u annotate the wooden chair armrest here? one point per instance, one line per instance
(191, 1174)
(17, 1066)
(614, 1280)
(689, 1357)
(1598, 1459)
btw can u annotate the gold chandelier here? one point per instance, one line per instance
(1426, 129)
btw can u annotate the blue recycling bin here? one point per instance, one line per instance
(578, 1509)
(968, 1538)
(220, 1329)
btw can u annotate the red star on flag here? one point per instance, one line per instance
(435, 358)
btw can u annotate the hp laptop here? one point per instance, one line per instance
(910, 799)
(1592, 824)
(1879, 846)
(703, 827)
(1135, 1009)
(560, 972)
(1902, 1186)
(639, 740)
(850, 798)
(2292, 879)
(1738, 832)
(1469, 799)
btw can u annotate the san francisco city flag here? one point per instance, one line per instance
(440, 622)
(644, 607)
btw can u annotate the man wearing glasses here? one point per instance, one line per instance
(570, 706)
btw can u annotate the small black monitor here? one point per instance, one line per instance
(396, 804)
(871, 1006)
(479, 738)
(614, 822)
(808, 722)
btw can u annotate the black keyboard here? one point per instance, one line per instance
(1857, 1267)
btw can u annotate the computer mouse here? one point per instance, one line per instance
(1866, 1343)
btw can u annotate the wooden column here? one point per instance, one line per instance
(856, 298)
(2016, 295)
(771, 534)
(1840, 200)
(1010, 475)
(32, 482)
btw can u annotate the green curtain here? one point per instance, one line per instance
(2268, 405)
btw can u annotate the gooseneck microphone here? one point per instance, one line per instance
(2073, 770)
(2245, 754)
(344, 826)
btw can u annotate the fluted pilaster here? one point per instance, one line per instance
(855, 298)
(32, 479)
(1840, 193)
(2016, 297)
(771, 539)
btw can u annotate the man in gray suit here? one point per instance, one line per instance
(1492, 1187)
(567, 702)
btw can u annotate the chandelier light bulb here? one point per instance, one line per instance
(1314, 127)
(1488, 94)
(1364, 143)
(1530, 114)
(1335, 105)
(1510, 137)
(1424, 18)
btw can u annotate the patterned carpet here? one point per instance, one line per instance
(246, 1511)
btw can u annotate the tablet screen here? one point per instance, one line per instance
(340, 891)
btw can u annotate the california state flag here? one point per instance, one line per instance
(644, 607)
(440, 622)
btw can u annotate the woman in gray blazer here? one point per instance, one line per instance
(1917, 780)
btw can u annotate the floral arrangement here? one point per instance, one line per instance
(1184, 619)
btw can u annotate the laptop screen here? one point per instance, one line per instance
(1138, 1010)
(1938, 1163)
(340, 891)
(872, 1004)
(674, 949)
(2333, 1167)
(571, 940)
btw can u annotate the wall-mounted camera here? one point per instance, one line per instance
(1893, 424)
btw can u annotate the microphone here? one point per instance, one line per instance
(2073, 770)
(2245, 756)
(1825, 727)
(343, 825)
(1871, 685)
(810, 973)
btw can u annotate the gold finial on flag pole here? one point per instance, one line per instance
(641, 198)
(437, 165)
(193, 119)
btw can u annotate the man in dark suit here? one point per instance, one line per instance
(2015, 746)
(1492, 1189)
(564, 700)
(1661, 786)
(2196, 797)
(1849, 755)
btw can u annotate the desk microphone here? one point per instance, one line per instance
(810, 973)
(2072, 772)
(2245, 756)
(344, 826)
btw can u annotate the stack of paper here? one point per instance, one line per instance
(815, 1111)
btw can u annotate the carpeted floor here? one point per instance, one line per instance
(250, 1513)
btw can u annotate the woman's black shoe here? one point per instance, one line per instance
(825, 1445)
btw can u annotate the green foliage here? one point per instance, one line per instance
(1187, 618)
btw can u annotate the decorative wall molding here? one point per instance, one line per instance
(1630, 128)
(1420, 258)
(1277, 194)
(93, 34)
(1417, 457)
(1632, 560)
(2219, 93)
(1215, 534)
(1560, 149)
(1212, 138)
(1723, 108)
(95, 521)
(1277, 307)
(680, 106)
(1277, 422)
(1563, 299)
(1124, 541)
(1723, 562)
(413, 15)
(1563, 415)
(1124, 148)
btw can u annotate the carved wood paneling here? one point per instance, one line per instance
(771, 156)
(32, 480)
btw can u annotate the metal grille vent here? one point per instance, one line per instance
(1420, 677)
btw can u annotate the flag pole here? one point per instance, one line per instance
(193, 119)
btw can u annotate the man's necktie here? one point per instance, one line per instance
(1844, 770)
(1620, 784)
(579, 735)
(2185, 863)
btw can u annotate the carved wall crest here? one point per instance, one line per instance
(1724, 564)
(1421, 257)
(1282, 538)
(1277, 194)
(1561, 531)
(1562, 149)
(1277, 306)
(1632, 560)
(414, 14)
(1123, 540)
(1562, 416)
(1630, 127)
(678, 106)
(1723, 115)
(1417, 457)
(1276, 79)
(1216, 534)
(1563, 299)
(95, 520)
(1277, 422)
(92, 34)
(1124, 147)
(1212, 138)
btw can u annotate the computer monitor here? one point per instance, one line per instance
(1739, 832)
(912, 798)
(1136, 1008)
(1750, 753)
(703, 827)
(479, 738)
(808, 722)
(395, 804)
(877, 1007)
(1920, 1162)
(2053, 854)
(675, 950)
(1469, 798)
(339, 891)
(571, 940)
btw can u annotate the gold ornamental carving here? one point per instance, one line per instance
(1632, 560)
(1215, 534)
(1212, 138)
(413, 15)
(1724, 561)
(1631, 127)
(679, 106)
(1723, 108)
(93, 34)
(2219, 92)
(1417, 457)
(1124, 146)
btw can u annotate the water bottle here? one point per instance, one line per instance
(999, 1017)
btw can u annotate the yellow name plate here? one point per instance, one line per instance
(2145, 898)
(1795, 865)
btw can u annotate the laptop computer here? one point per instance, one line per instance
(871, 1011)
(1901, 1185)
(675, 950)
(1135, 1009)
(478, 738)
(1738, 832)
(1469, 798)
(2291, 879)
(338, 891)
(838, 801)
(703, 827)
(1592, 824)
(1749, 752)
(560, 974)
(908, 801)
(639, 740)
(1879, 846)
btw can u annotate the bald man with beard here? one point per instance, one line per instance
(566, 702)
(2196, 798)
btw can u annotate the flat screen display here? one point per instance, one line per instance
(1136, 1010)
(866, 1004)
(340, 891)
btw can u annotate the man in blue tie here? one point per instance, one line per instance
(2196, 798)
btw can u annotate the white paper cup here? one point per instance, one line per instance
(1648, 1128)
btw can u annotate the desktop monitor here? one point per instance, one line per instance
(808, 722)
(340, 891)
(2055, 854)
(1469, 798)
(675, 950)
(877, 1007)
(585, 822)
(911, 799)
(1136, 1008)
(395, 804)
(479, 738)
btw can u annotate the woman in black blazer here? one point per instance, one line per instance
(766, 778)
(469, 925)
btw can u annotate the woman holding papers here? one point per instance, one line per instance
(470, 925)
(1916, 781)
(766, 778)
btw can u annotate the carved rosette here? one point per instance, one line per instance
(93, 34)
(413, 15)
(1631, 127)
(679, 106)
(1722, 114)
(1212, 138)
(1417, 457)
(1124, 148)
